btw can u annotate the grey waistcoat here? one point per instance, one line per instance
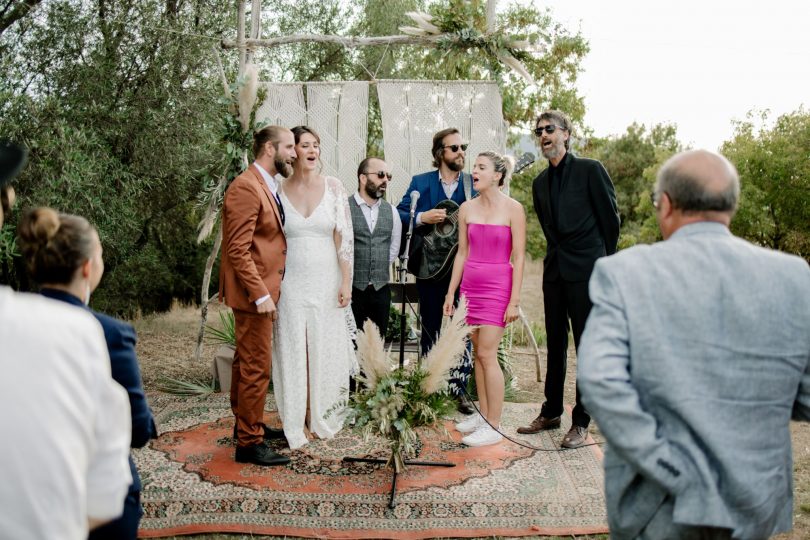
(371, 249)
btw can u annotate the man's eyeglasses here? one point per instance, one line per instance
(380, 174)
(455, 147)
(549, 129)
(656, 197)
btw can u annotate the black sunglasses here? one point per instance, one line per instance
(381, 174)
(549, 129)
(455, 147)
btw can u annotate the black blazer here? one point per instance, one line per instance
(121, 339)
(587, 224)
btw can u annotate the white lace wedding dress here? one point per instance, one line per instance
(312, 352)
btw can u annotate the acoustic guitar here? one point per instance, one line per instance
(439, 242)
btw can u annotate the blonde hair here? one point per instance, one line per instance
(503, 164)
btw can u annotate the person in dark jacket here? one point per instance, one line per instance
(576, 204)
(64, 255)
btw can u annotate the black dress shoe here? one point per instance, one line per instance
(269, 433)
(259, 454)
(464, 406)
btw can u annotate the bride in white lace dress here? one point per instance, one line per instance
(312, 351)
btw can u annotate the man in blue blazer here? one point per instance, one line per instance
(448, 181)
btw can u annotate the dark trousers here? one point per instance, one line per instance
(371, 304)
(250, 375)
(431, 304)
(563, 300)
(125, 527)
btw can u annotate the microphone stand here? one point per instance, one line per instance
(403, 268)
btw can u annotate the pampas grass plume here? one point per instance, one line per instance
(516, 65)
(247, 95)
(422, 20)
(447, 350)
(371, 351)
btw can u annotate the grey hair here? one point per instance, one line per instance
(502, 163)
(689, 185)
(558, 118)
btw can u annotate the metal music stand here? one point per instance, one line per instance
(402, 270)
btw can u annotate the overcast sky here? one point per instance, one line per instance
(697, 63)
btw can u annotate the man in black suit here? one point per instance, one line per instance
(576, 205)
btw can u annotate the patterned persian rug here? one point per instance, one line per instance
(192, 484)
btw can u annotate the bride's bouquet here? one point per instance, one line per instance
(394, 402)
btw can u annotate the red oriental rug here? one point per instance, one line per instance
(192, 484)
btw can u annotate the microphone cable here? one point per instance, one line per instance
(523, 443)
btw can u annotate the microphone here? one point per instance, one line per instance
(414, 198)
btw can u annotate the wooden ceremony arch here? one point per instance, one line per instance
(425, 33)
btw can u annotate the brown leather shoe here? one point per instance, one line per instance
(539, 424)
(575, 437)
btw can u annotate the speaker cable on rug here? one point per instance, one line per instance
(519, 442)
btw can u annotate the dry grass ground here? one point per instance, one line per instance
(166, 349)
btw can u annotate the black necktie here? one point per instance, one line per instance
(280, 207)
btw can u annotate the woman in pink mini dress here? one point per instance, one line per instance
(492, 230)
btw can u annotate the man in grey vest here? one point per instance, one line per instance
(377, 231)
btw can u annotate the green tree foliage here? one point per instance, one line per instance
(555, 69)
(121, 106)
(117, 104)
(632, 160)
(774, 167)
(520, 188)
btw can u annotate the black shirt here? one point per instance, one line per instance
(555, 176)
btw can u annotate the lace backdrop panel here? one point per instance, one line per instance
(338, 111)
(283, 105)
(412, 111)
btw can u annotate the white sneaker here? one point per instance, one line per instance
(483, 436)
(470, 424)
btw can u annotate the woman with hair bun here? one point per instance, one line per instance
(492, 230)
(63, 254)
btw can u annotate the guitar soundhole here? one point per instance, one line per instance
(445, 229)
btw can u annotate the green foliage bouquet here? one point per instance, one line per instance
(395, 401)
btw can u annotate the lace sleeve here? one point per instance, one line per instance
(343, 221)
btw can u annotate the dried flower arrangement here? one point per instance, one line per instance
(395, 401)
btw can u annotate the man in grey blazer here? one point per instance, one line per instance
(694, 359)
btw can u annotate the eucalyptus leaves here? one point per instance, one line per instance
(394, 402)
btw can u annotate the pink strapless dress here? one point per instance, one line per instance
(487, 279)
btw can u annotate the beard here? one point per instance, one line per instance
(455, 165)
(282, 167)
(553, 151)
(374, 192)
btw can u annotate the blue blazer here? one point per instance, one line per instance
(429, 186)
(121, 339)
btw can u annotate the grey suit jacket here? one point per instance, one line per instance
(695, 357)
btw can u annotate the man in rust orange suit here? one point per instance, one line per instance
(254, 251)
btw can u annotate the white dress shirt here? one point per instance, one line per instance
(65, 424)
(272, 183)
(372, 213)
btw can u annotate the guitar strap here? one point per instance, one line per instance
(466, 181)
